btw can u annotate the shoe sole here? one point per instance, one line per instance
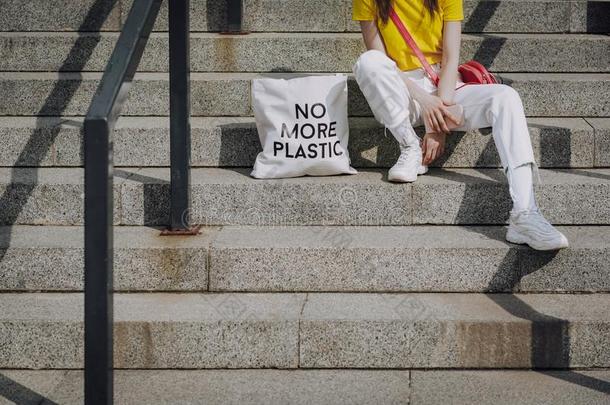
(517, 238)
(398, 179)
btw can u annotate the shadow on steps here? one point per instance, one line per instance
(19, 394)
(14, 198)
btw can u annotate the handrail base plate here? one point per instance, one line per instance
(234, 32)
(192, 231)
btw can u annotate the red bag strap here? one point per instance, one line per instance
(411, 42)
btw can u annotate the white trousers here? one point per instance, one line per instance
(488, 105)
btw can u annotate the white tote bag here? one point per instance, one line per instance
(302, 125)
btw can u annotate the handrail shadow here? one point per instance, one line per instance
(13, 199)
(19, 394)
(550, 336)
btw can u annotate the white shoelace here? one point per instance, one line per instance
(408, 153)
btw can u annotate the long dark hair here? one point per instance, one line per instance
(383, 8)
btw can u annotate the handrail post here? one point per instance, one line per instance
(98, 263)
(180, 112)
(234, 17)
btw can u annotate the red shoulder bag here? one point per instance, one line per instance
(472, 72)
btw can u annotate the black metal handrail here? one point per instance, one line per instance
(180, 114)
(101, 118)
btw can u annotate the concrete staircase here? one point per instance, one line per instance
(330, 290)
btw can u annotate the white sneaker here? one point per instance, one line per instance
(531, 228)
(408, 165)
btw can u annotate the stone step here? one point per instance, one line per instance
(310, 258)
(304, 16)
(408, 259)
(319, 387)
(143, 260)
(54, 196)
(315, 330)
(60, 15)
(296, 52)
(233, 141)
(228, 94)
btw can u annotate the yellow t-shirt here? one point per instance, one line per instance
(427, 31)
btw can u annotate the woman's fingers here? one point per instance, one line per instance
(430, 121)
(432, 156)
(432, 147)
(441, 121)
(430, 151)
(437, 154)
(441, 149)
(450, 116)
(435, 124)
(424, 149)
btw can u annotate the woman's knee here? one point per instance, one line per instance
(372, 61)
(507, 95)
(504, 100)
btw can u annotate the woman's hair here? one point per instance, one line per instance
(383, 8)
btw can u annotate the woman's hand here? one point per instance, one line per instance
(434, 111)
(433, 146)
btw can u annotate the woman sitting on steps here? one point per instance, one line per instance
(401, 96)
